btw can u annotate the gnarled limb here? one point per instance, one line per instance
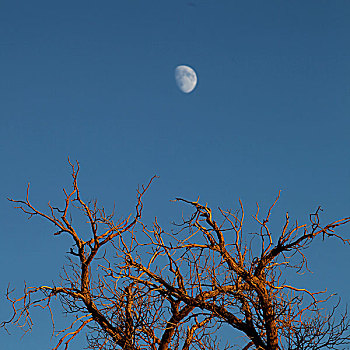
(131, 286)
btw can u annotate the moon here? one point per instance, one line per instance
(186, 78)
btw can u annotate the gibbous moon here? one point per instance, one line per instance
(186, 78)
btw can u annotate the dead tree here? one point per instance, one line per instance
(133, 287)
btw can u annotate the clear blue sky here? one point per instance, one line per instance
(94, 80)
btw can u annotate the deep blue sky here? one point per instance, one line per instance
(94, 80)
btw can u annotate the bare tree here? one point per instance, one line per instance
(130, 286)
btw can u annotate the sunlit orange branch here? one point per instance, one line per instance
(134, 286)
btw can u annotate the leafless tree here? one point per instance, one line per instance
(130, 286)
